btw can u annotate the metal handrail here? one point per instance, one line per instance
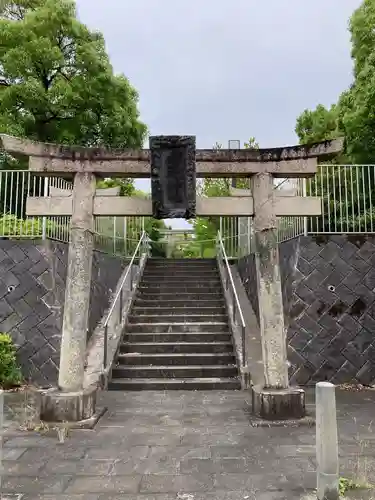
(143, 241)
(235, 301)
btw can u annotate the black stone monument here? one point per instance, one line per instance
(173, 177)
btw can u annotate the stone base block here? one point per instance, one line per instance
(278, 404)
(57, 406)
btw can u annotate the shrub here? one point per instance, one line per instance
(10, 374)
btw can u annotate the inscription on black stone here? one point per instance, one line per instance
(173, 177)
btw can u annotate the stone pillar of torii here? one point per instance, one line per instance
(173, 164)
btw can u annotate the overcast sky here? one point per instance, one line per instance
(221, 69)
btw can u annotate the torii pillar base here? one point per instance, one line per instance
(73, 409)
(278, 404)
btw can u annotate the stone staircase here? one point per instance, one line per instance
(177, 335)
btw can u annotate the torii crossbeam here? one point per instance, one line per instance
(54, 160)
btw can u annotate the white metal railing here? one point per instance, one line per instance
(348, 199)
(117, 235)
(141, 249)
(236, 311)
(348, 206)
(15, 186)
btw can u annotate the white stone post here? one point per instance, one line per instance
(326, 442)
(78, 281)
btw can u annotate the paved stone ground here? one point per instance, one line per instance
(183, 445)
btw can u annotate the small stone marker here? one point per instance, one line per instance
(326, 442)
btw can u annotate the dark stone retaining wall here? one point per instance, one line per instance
(32, 289)
(329, 303)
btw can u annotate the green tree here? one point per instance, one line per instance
(152, 227)
(57, 83)
(318, 125)
(126, 185)
(206, 228)
(348, 194)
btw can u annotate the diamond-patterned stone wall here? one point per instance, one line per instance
(329, 303)
(331, 321)
(32, 289)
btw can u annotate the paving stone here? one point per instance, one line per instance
(164, 465)
(90, 496)
(27, 442)
(136, 452)
(14, 468)
(13, 454)
(146, 496)
(54, 451)
(276, 463)
(51, 484)
(183, 483)
(79, 467)
(105, 484)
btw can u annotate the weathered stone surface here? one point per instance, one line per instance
(280, 404)
(173, 177)
(77, 285)
(32, 286)
(25, 147)
(57, 406)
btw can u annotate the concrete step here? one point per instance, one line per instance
(160, 271)
(194, 337)
(188, 271)
(176, 327)
(178, 318)
(180, 269)
(192, 384)
(172, 280)
(169, 262)
(173, 359)
(184, 296)
(174, 372)
(180, 278)
(178, 304)
(176, 347)
(180, 287)
(184, 311)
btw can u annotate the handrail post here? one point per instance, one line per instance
(118, 301)
(243, 338)
(236, 312)
(120, 308)
(105, 350)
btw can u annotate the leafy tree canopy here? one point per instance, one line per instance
(348, 203)
(56, 80)
(57, 85)
(353, 116)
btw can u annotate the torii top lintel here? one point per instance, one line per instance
(53, 159)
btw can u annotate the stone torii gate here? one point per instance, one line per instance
(173, 164)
